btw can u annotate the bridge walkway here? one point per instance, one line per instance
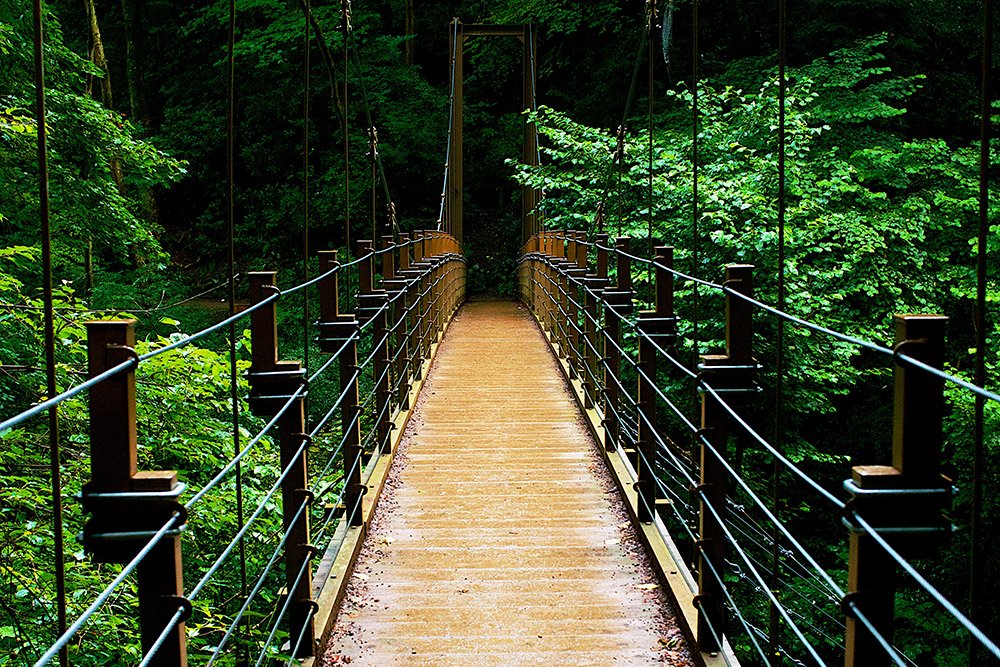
(500, 538)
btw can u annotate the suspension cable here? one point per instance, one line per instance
(779, 370)
(985, 130)
(50, 345)
(234, 396)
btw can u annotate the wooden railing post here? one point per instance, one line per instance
(273, 385)
(295, 499)
(350, 421)
(339, 333)
(382, 374)
(437, 318)
(370, 300)
(905, 500)
(329, 287)
(617, 305)
(397, 289)
(562, 267)
(536, 270)
(272, 382)
(575, 275)
(594, 284)
(422, 265)
(731, 377)
(656, 328)
(129, 506)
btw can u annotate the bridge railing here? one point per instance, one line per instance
(138, 517)
(628, 374)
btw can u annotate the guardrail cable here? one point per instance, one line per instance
(258, 585)
(63, 641)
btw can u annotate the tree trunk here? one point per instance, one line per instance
(328, 61)
(136, 52)
(408, 29)
(97, 57)
(133, 12)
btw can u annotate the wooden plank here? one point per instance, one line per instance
(500, 537)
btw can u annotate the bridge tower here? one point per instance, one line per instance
(459, 32)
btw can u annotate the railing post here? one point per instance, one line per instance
(541, 308)
(295, 500)
(370, 300)
(124, 501)
(272, 382)
(617, 305)
(273, 385)
(711, 545)
(382, 371)
(575, 275)
(397, 289)
(415, 301)
(422, 264)
(438, 290)
(350, 421)
(562, 293)
(329, 287)
(531, 271)
(905, 500)
(338, 333)
(594, 284)
(656, 327)
(730, 376)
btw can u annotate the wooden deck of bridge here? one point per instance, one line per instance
(499, 538)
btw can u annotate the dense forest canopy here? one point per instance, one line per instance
(882, 137)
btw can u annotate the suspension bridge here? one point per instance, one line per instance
(551, 479)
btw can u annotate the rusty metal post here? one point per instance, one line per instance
(128, 506)
(906, 500)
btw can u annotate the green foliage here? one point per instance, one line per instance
(87, 145)
(184, 414)
(869, 232)
(876, 223)
(411, 117)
